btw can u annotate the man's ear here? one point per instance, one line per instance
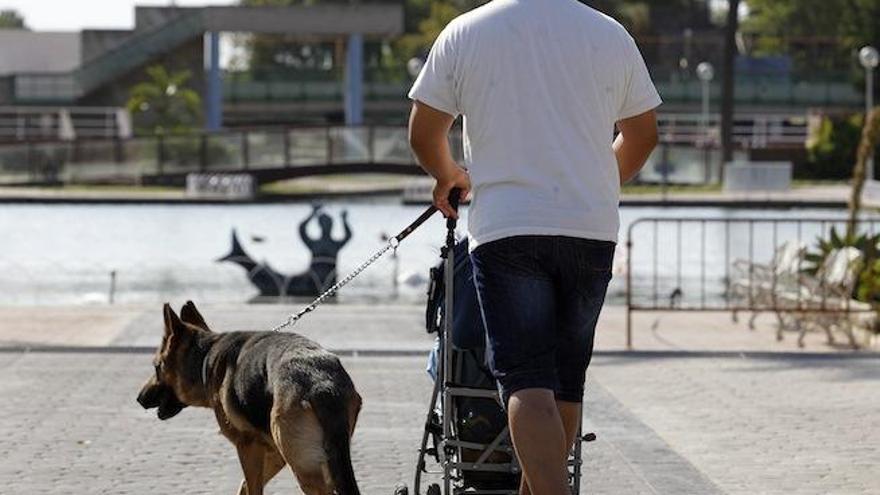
(173, 325)
(189, 314)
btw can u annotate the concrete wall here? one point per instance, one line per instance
(26, 51)
(382, 20)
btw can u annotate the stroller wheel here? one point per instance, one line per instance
(401, 490)
(434, 489)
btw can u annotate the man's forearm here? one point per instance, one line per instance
(435, 157)
(632, 154)
(429, 139)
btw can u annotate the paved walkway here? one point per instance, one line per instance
(71, 426)
(665, 426)
(745, 415)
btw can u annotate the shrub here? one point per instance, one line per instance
(832, 149)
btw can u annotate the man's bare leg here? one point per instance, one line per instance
(570, 413)
(539, 438)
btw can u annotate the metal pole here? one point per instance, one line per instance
(629, 290)
(354, 81)
(112, 297)
(869, 105)
(447, 357)
(214, 100)
(705, 131)
(706, 89)
(448, 312)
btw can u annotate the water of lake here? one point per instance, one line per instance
(64, 254)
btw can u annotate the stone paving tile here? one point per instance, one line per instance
(347, 326)
(793, 425)
(69, 425)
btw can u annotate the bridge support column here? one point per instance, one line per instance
(354, 80)
(214, 83)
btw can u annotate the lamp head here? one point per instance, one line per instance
(869, 57)
(705, 71)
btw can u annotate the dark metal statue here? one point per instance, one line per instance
(321, 274)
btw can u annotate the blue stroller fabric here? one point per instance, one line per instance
(467, 322)
(468, 332)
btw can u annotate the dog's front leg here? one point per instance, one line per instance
(252, 456)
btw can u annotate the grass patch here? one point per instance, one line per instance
(819, 183)
(115, 188)
(336, 183)
(670, 189)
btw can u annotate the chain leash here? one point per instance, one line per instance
(393, 243)
(294, 318)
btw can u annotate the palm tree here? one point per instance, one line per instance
(164, 104)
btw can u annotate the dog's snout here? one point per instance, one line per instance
(150, 396)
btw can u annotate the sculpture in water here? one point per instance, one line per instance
(322, 270)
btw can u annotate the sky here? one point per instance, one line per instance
(73, 15)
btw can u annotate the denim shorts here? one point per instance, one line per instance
(540, 298)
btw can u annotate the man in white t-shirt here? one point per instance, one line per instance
(541, 85)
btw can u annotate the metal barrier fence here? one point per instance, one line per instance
(740, 265)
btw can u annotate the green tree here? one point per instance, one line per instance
(776, 24)
(163, 104)
(418, 42)
(11, 19)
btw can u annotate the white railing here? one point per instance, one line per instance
(753, 131)
(19, 123)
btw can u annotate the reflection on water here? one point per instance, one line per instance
(64, 254)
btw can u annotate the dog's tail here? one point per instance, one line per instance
(332, 412)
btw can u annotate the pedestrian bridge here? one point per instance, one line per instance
(275, 154)
(267, 155)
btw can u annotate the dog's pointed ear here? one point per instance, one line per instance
(189, 314)
(173, 325)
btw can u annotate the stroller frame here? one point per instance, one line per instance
(448, 450)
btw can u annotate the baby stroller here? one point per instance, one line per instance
(466, 432)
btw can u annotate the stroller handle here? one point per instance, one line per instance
(454, 201)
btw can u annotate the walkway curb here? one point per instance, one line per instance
(812, 356)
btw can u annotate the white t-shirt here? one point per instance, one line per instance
(541, 84)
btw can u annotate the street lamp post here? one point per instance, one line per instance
(706, 73)
(870, 59)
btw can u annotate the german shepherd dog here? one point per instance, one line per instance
(280, 398)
